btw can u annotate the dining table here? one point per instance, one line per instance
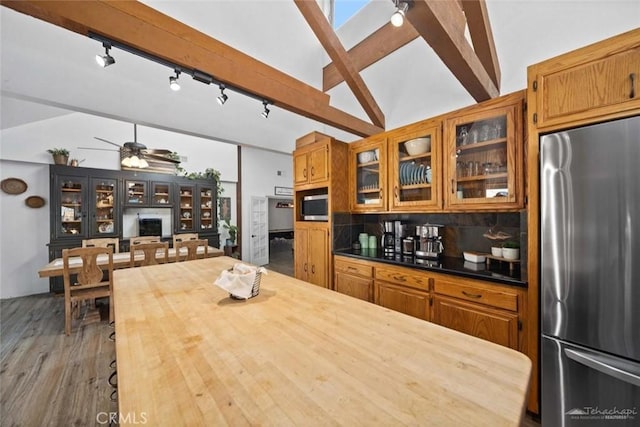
(187, 354)
(120, 260)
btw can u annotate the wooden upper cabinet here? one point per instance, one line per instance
(484, 156)
(414, 168)
(591, 82)
(311, 165)
(368, 175)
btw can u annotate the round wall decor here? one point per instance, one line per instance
(34, 202)
(13, 186)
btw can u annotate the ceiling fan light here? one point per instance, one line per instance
(126, 162)
(397, 19)
(143, 164)
(135, 161)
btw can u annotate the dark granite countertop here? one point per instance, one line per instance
(498, 271)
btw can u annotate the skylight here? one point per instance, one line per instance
(345, 9)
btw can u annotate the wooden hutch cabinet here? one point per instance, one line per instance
(90, 203)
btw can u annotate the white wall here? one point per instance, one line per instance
(259, 177)
(25, 231)
(280, 218)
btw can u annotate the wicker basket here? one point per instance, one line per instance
(255, 289)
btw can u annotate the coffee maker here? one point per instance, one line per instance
(429, 241)
(388, 238)
(400, 230)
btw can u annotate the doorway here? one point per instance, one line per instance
(281, 235)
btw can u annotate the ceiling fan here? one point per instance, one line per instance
(135, 154)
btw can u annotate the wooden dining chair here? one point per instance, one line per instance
(89, 282)
(102, 243)
(145, 239)
(154, 253)
(191, 249)
(183, 237)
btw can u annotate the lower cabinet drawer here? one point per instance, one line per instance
(354, 268)
(403, 276)
(491, 297)
(357, 287)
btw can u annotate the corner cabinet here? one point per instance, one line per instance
(484, 156)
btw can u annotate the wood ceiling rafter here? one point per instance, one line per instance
(482, 37)
(442, 25)
(338, 54)
(382, 42)
(144, 28)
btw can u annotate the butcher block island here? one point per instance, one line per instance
(296, 354)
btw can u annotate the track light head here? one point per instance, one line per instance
(223, 96)
(106, 59)
(173, 81)
(266, 111)
(397, 19)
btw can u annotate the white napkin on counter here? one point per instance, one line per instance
(239, 280)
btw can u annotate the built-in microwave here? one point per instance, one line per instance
(315, 208)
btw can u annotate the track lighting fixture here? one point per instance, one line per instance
(266, 111)
(106, 59)
(173, 81)
(223, 97)
(397, 19)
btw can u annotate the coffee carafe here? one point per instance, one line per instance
(388, 238)
(429, 242)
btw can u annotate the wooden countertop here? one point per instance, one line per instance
(297, 354)
(120, 260)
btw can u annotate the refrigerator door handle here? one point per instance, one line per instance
(599, 364)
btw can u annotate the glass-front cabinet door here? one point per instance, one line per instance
(414, 168)
(104, 220)
(207, 208)
(484, 151)
(136, 192)
(368, 171)
(71, 221)
(161, 194)
(185, 220)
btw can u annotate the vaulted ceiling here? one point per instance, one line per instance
(281, 51)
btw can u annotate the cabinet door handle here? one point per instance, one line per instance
(400, 278)
(305, 267)
(313, 170)
(452, 186)
(352, 268)
(304, 172)
(395, 192)
(632, 77)
(470, 295)
(381, 194)
(313, 269)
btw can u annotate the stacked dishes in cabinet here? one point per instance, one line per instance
(368, 177)
(206, 209)
(414, 171)
(186, 208)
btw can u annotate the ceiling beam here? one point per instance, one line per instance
(144, 28)
(482, 37)
(338, 54)
(441, 24)
(376, 46)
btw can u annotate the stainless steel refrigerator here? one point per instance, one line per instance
(590, 275)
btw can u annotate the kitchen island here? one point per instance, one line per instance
(296, 354)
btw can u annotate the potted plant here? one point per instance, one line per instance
(511, 250)
(233, 230)
(60, 155)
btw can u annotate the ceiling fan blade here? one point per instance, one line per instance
(107, 141)
(161, 158)
(95, 148)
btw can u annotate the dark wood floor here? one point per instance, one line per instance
(47, 378)
(281, 256)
